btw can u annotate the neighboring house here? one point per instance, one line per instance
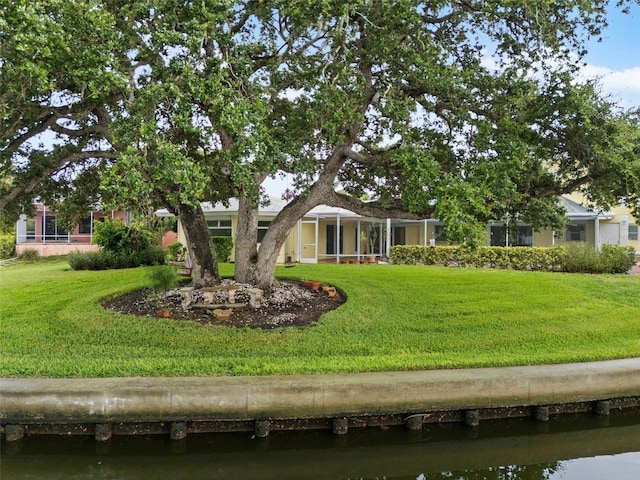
(328, 234)
(44, 234)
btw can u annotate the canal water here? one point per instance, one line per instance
(568, 447)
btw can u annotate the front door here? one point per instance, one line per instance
(308, 241)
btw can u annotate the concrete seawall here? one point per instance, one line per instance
(179, 404)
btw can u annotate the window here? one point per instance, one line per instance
(84, 226)
(52, 231)
(498, 236)
(263, 226)
(439, 233)
(576, 233)
(633, 232)
(399, 235)
(220, 228)
(31, 229)
(524, 237)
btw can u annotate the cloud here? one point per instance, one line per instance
(622, 85)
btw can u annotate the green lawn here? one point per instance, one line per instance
(396, 318)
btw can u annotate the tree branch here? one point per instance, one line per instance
(375, 209)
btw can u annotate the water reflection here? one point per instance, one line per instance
(566, 448)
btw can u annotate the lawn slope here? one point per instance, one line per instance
(396, 318)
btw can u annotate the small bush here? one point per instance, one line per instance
(150, 256)
(176, 251)
(105, 259)
(7, 245)
(581, 258)
(164, 277)
(121, 246)
(222, 247)
(616, 258)
(116, 236)
(29, 255)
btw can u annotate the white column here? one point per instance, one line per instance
(299, 247)
(43, 223)
(596, 233)
(425, 239)
(388, 252)
(338, 237)
(359, 238)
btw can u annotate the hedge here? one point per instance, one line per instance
(222, 247)
(579, 258)
(106, 259)
(7, 245)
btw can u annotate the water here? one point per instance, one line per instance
(583, 447)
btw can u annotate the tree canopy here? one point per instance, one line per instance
(58, 82)
(463, 111)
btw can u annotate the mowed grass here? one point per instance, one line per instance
(396, 318)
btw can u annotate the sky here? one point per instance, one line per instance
(616, 59)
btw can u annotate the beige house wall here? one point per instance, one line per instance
(543, 238)
(414, 234)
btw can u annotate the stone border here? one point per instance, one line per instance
(338, 401)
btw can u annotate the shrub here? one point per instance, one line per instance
(616, 258)
(105, 259)
(7, 245)
(116, 236)
(121, 246)
(176, 251)
(222, 247)
(29, 255)
(579, 258)
(150, 256)
(164, 277)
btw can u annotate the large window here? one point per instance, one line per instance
(633, 232)
(52, 231)
(576, 233)
(220, 228)
(523, 237)
(31, 229)
(439, 233)
(84, 226)
(263, 226)
(399, 235)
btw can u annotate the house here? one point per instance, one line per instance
(44, 234)
(328, 234)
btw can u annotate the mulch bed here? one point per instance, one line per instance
(289, 305)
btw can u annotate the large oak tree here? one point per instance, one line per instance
(462, 110)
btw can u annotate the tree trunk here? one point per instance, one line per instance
(277, 235)
(204, 265)
(246, 247)
(282, 224)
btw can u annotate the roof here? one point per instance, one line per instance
(577, 211)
